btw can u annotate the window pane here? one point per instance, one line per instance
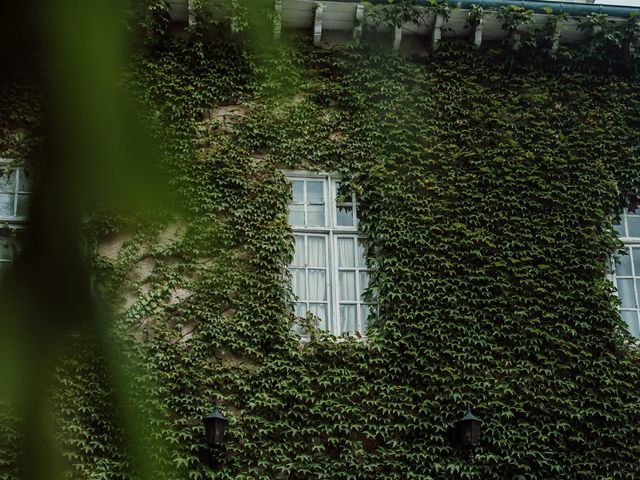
(361, 261)
(636, 260)
(315, 192)
(23, 205)
(626, 293)
(317, 285)
(364, 282)
(296, 215)
(348, 319)
(343, 195)
(344, 216)
(6, 250)
(633, 224)
(364, 317)
(4, 267)
(301, 309)
(299, 284)
(348, 286)
(631, 318)
(315, 215)
(298, 253)
(6, 204)
(26, 180)
(320, 310)
(619, 227)
(317, 254)
(345, 252)
(7, 181)
(297, 188)
(623, 265)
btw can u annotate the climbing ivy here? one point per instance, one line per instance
(486, 190)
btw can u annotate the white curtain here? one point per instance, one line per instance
(364, 316)
(626, 292)
(317, 254)
(361, 261)
(317, 285)
(348, 318)
(320, 310)
(298, 253)
(347, 282)
(346, 257)
(299, 284)
(364, 282)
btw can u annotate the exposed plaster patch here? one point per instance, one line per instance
(142, 269)
(145, 288)
(298, 98)
(227, 113)
(110, 246)
(259, 156)
(178, 295)
(171, 234)
(187, 331)
(130, 297)
(231, 360)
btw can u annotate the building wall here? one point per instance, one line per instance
(487, 183)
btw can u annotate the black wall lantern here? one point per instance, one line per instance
(215, 425)
(469, 430)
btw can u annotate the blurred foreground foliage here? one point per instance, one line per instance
(487, 182)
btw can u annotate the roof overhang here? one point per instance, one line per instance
(334, 21)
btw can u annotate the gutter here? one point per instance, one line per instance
(571, 9)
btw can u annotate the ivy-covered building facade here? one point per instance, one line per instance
(365, 242)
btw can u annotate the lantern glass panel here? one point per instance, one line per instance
(475, 431)
(467, 434)
(220, 426)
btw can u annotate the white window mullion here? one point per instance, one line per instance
(16, 189)
(634, 277)
(631, 244)
(354, 212)
(357, 283)
(304, 202)
(626, 225)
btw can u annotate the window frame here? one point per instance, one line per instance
(630, 244)
(7, 164)
(332, 233)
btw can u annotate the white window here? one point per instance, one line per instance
(16, 186)
(328, 270)
(7, 252)
(15, 191)
(627, 270)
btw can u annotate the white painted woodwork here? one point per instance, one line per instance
(317, 25)
(192, 14)
(277, 19)
(436, 32)
(397, 38)
(348, 17)
(359, 23)
(477, 35)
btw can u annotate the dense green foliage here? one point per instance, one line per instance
(486, 192)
